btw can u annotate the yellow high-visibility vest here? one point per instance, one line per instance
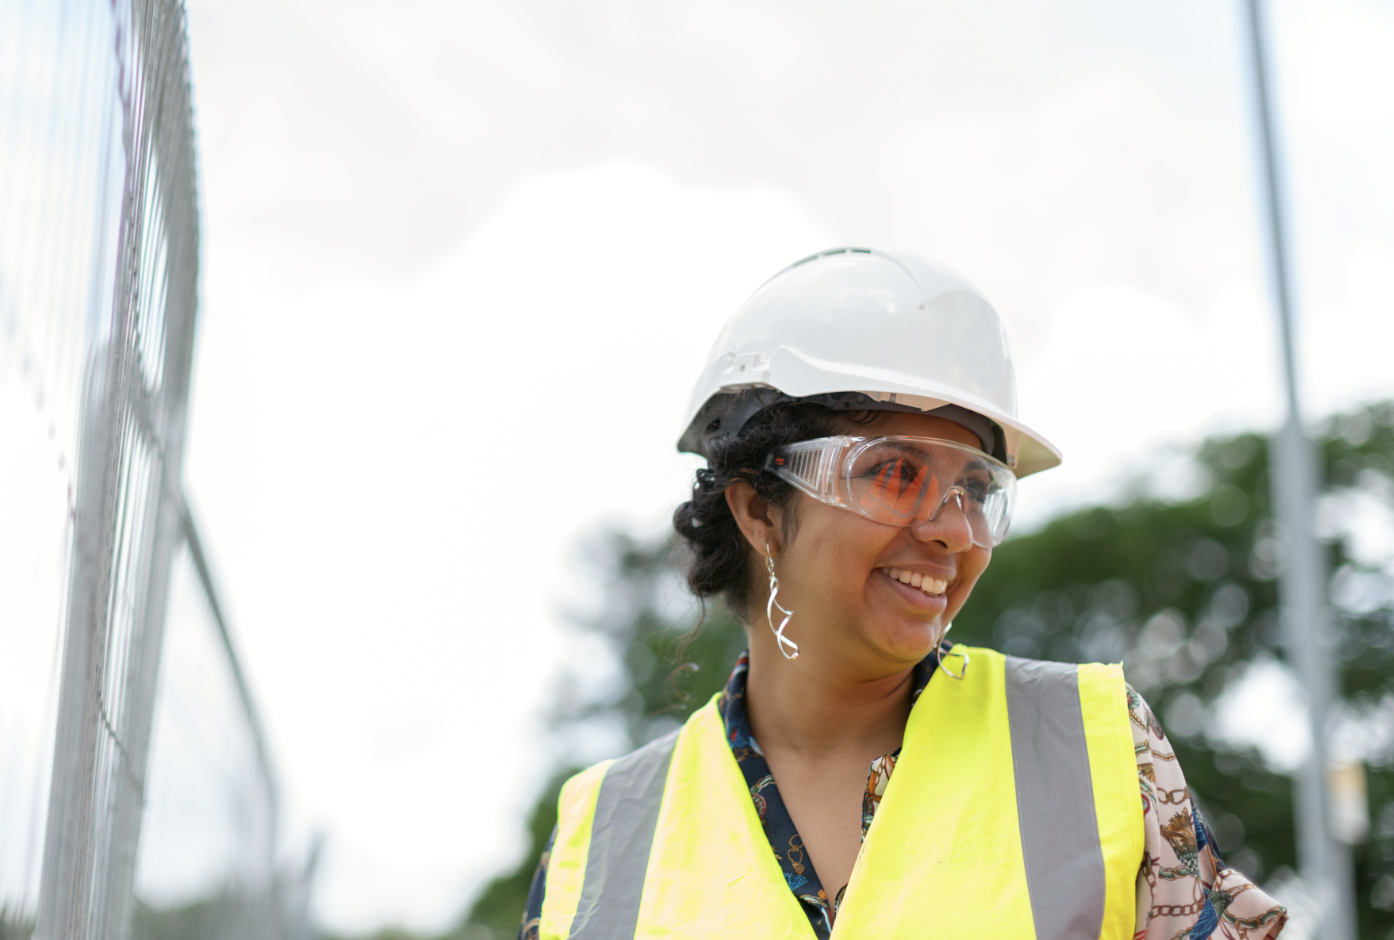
(1013, 813)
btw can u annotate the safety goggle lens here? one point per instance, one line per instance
(904, 481)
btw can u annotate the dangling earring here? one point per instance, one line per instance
(779, 636)
(939, 654)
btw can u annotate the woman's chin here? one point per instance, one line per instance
(907, 642)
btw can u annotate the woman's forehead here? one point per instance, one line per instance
(916, 425)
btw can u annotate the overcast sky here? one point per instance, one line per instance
(441, 238)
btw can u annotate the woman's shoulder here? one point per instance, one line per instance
(1039, 670)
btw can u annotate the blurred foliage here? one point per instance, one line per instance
(1176, 577)
(15, 925)
(207, 917)
(223, 915)
(227, 912)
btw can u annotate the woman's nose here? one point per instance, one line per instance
(949, 524)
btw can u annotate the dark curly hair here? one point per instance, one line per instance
(717, 550)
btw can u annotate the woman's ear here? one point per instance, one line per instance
(757, 520)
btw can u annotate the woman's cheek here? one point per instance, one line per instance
(972, 569)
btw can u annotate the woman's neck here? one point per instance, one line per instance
(811, 708)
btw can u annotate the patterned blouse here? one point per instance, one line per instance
(1184, 890)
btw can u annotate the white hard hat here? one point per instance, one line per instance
(855, 329)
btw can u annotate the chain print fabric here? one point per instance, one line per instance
(1184, 890)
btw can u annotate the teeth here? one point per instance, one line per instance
(915, 579)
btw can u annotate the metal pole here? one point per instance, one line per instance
(1325, 863)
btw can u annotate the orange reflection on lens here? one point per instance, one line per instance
(889, 498)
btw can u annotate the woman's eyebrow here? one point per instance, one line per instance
(975, 465)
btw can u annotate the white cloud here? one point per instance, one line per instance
(1125, 373)
(396, 484)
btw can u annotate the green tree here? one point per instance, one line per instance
(15, 924)
(1180, 588)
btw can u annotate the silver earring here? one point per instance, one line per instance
(779, 636)
(939, 654)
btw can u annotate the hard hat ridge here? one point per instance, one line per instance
(856, 329)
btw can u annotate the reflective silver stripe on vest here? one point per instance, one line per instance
(626, 815)
(1055, 800)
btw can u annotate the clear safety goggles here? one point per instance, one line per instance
(903, 481)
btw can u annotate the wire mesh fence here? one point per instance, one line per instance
(136, 795)
(208, 860)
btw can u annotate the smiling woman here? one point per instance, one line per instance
(858, 417)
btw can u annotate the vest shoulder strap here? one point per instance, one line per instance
(1013, 811)
(607, 815)
(1056, 802)
(664, 839)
